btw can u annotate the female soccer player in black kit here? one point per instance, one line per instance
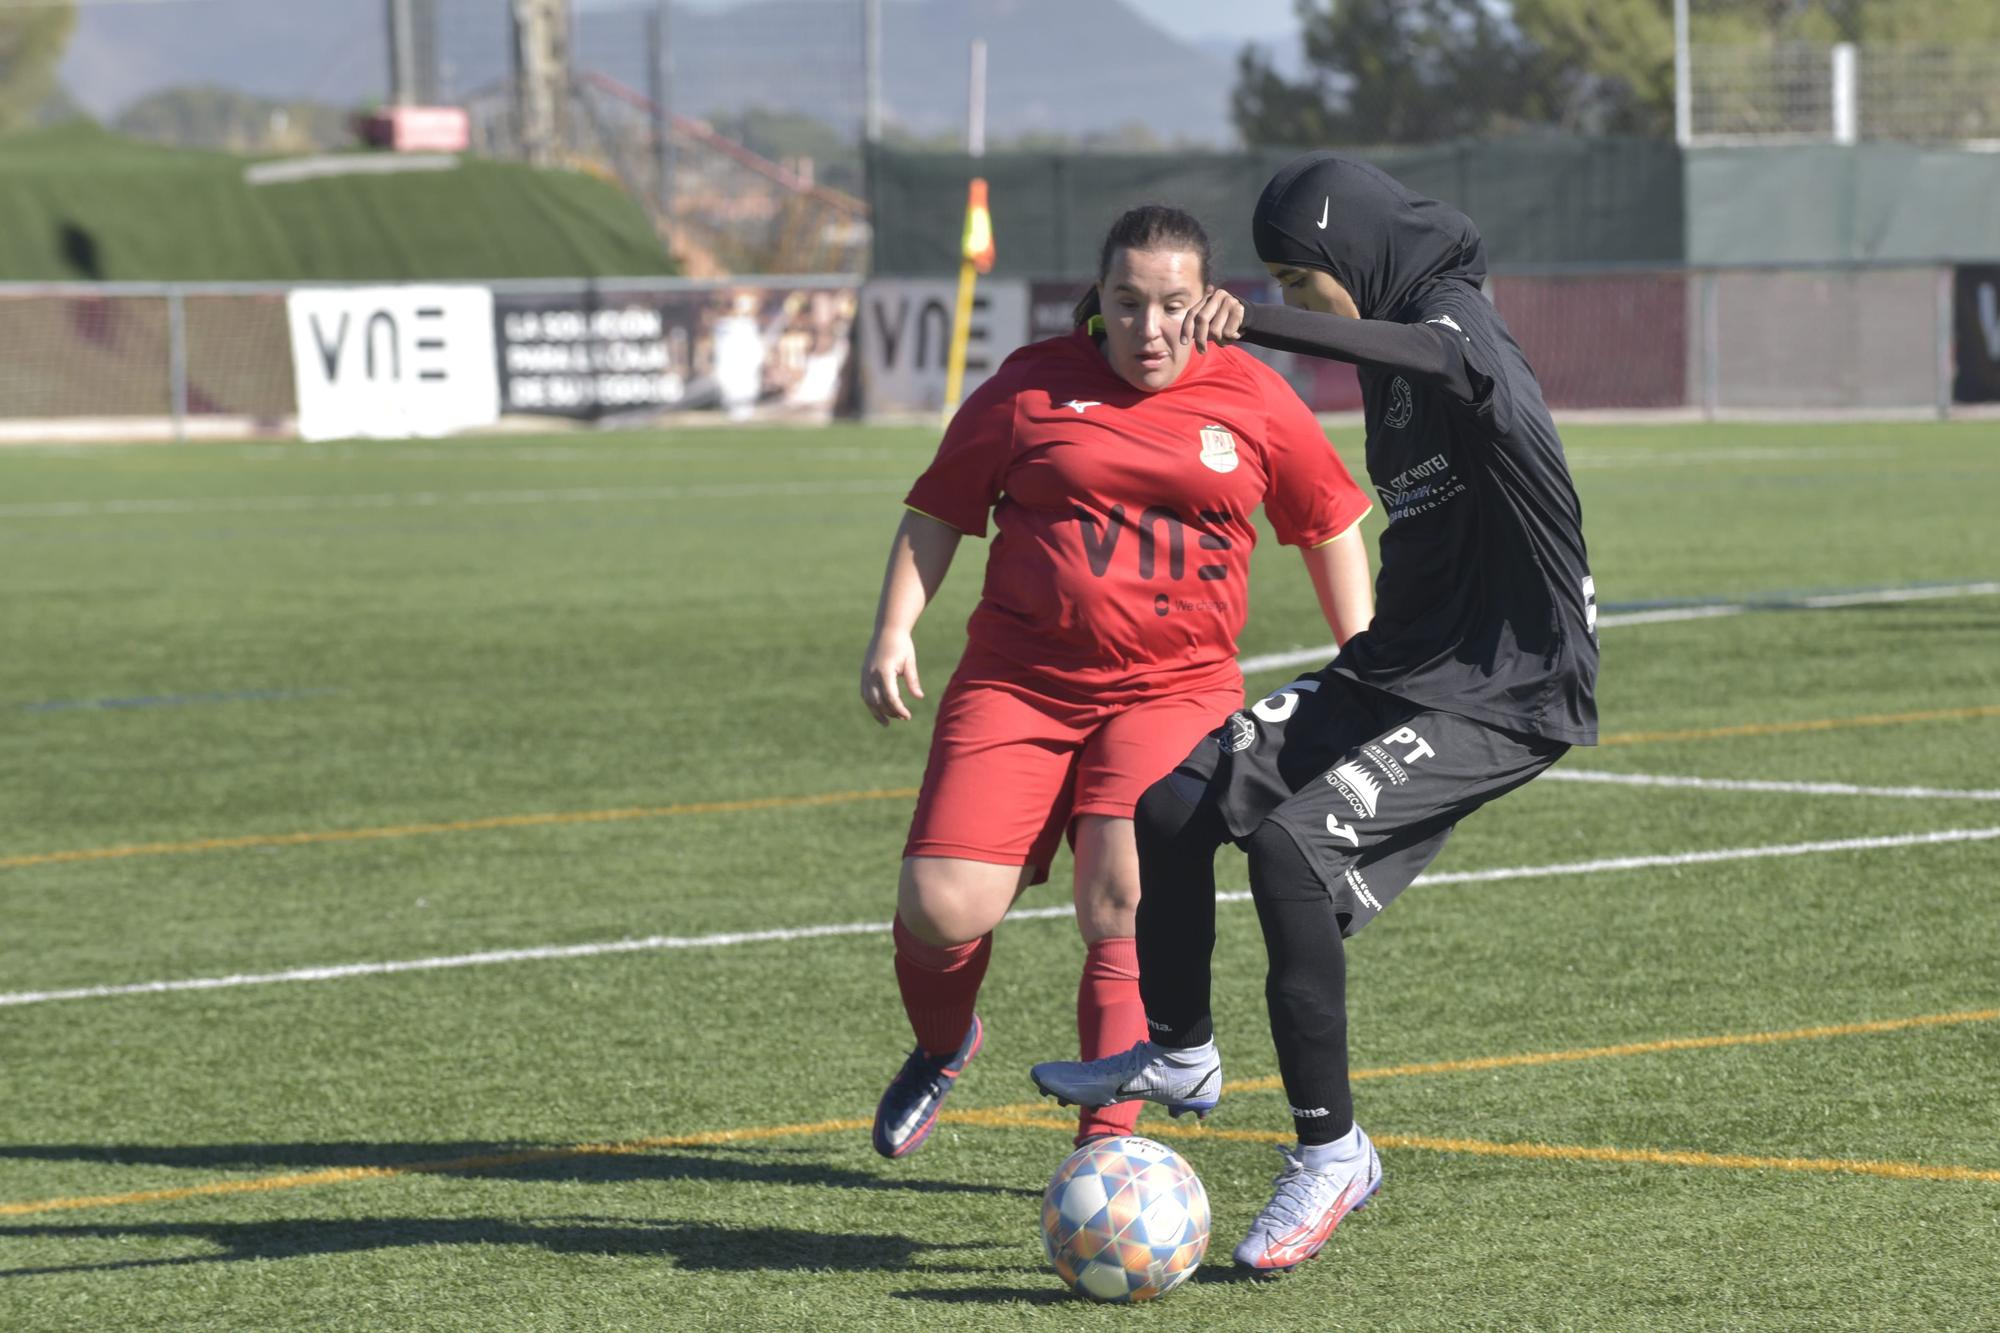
(1476, 674)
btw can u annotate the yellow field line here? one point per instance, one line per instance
(1532, 1058)
(833, 798)
(455, 826)
(1546, 1152)
(1042, 1115)
(1782, 728)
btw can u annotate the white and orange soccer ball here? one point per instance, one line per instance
(1125, 1220)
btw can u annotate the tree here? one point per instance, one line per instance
(31, 45)
(209, 117)
(1392, 71)
(1608, 64)
(1389, 72)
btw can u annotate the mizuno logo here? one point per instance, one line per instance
(1080, 404)
(1325, 208)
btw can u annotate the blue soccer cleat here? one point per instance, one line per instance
(909, 1106)
(1180, 1080)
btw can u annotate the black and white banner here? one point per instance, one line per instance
(1976, 324)
(392, 362)
(906, 339)
(749, 353)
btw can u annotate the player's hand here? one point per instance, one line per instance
(1217, 318)
(891, 657)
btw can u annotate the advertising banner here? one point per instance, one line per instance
(906, 339)
(744, 353)
(1976, 333)
(392, 362)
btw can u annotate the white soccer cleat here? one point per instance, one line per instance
(1180, 1080)
(1305, 1207)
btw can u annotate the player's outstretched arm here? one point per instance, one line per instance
(919, 558)
(1339, 573)
(1424, 352)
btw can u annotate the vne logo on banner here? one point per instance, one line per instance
(906, 339)
(393, 362)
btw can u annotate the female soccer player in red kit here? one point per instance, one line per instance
(1120, 471)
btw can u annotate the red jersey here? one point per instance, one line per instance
(1122, 557)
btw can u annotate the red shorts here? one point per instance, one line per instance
(1010, 767)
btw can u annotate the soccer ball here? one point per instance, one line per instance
(1124, 1220)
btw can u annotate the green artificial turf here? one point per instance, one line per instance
(579, 689)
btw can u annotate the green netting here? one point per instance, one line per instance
(1823, 203)
(1540, 200)
(77, 203)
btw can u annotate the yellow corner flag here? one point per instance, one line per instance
(978, 227)
(976, 257)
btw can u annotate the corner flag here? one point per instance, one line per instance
(976, 257)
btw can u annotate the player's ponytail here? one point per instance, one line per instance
(1147, 227)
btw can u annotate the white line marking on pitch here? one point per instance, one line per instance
(656, 943)
(437, 499)
(1759, 784)
(1669, 614)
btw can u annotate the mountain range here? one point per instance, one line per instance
(1054, 67)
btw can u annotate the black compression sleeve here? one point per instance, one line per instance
(1424, 352)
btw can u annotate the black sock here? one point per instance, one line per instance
(1306, 987)
(1178, 835)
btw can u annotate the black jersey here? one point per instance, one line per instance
(1484, 604)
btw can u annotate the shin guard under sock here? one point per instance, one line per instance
(1109, 1018)
(939, 983)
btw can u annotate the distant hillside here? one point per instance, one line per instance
(78, 203)
(1054, 66)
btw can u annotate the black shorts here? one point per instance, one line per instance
(1367, 784)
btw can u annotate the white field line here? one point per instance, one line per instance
(730, 939)
(1763, 785)
(243, 504)
(1668, 614)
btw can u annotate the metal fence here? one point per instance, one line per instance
(1845, 92)
(120, 361)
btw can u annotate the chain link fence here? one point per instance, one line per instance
(1901, 91)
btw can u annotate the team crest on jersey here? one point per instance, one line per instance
(1401, 404)
(1218, 449)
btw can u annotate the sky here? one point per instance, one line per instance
(1236, 20)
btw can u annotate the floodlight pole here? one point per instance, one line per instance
(1844, 99)
(975, 108)
(402, 54)
(871, 70)
(659, 77)
(1683, 78)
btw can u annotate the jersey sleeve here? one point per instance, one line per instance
(1309, 495)
(1468, 318)
(965, 479)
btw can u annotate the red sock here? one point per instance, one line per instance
(939, 984)
(1110, 1017)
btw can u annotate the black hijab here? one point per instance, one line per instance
(1385, 243)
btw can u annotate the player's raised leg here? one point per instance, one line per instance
(1177, 1066)
(946, 909)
